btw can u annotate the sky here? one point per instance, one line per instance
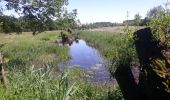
(90, 11)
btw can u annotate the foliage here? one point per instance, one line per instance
(126, 53)
(161, 70)
(39, 15)
(11, 24)
(38, 9)
(68, 20)
(160, 25)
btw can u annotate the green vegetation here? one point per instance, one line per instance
(160, 23)
(28, 50)
(37, 85)
(32, 62)
(115, 47)
(32, 73)
(43, 84)
(103, 41)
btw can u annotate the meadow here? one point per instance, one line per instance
(25, 49)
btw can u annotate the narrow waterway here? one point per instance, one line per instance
(88, 58)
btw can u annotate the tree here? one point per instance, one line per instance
(10, 24)
(1, 10)
(7, 24)
(160, 25)
(156, 11)
(137, 19)
(50, 25)
(68, 20)
(38, 12)
(1, 21)
(72, 19)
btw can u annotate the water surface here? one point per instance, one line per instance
(84, 55)
(88, 58)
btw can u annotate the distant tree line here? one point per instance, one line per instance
(99, 25)
(141, 22)
(137, 21)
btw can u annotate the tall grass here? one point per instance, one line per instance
(38, 84)
(43, 84)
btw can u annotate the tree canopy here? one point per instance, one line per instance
(40, 15)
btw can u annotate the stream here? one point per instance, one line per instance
(89, 59)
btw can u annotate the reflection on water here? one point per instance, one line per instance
(83, 55)
(88, 58)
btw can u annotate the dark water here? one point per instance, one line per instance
(88, 58)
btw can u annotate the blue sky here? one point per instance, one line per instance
(111, 10)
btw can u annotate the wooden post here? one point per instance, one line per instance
(127, 83)
(2, 73)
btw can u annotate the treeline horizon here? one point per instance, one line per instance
(114, 24)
